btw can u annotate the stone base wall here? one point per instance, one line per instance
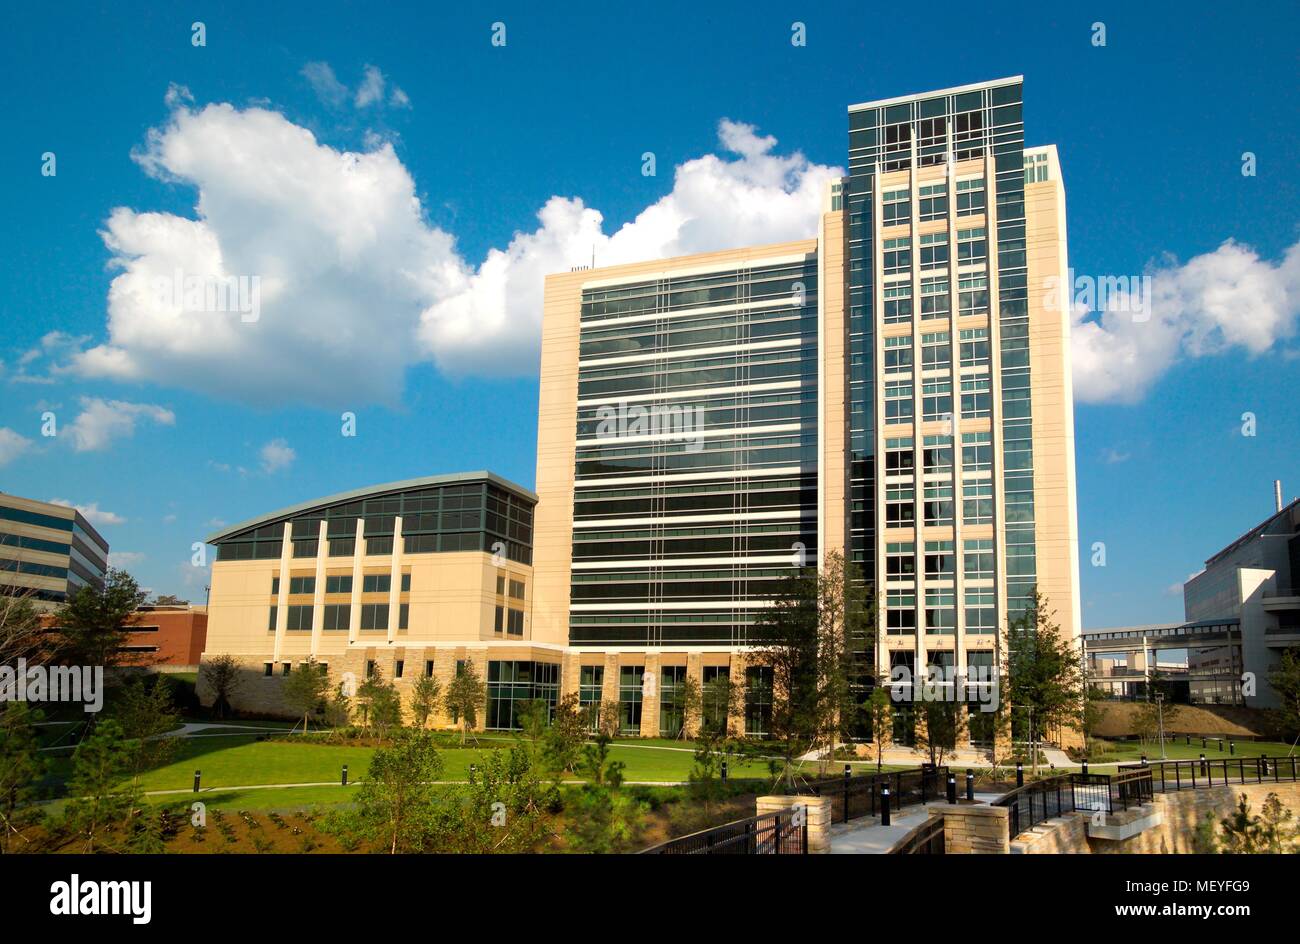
(972, 828)
(816, 809)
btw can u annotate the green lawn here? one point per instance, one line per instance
(1129, 751)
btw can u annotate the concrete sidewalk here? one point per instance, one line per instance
(865, 836)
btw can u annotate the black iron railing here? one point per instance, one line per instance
(1042, 800)
(853, 797)
(926, 839)
(781, 833)
(1167, 775)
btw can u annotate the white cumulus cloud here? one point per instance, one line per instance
(355, 285)
(92, 512)
(1217, 301)
(12, 445)
(277, 455)
(102, 421)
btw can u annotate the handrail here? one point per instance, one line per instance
(925, 839)
(766, 834)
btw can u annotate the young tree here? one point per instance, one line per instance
(167, 599)
(338, 710)
(146, 712)
(21, 635)
(425, 694)
(505, 808)
(22, 766)
(939, 733)
(603, 818)
(100, 787)
(1270, 833)
(562, 743)
(399, 791)
(465, 695)
(1286, 683)
(720, 700)
(607, 719)
(1044, 676)
(93, 622)
(305, 689)
(879, 709)
(598, 767)
(683, 701)
(224, 677)
(1094, 711)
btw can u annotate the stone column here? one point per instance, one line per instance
(973, 828)
(650, 695)
(817, 811)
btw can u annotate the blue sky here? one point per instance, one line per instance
(169, 436)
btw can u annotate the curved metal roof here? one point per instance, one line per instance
(372, 491)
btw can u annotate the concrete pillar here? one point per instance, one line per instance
(973, 829)
(651, 692)
(694, 671)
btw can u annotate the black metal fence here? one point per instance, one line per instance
(1042, 800)
(853, 797)
(1167, 775)
(926, 839)
(781, 833)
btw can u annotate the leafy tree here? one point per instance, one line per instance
(381, 704)
(305, 688)
(21, 635)
(562, 743)
(607, 719)
(224, 677)
(603, 818)
(505, 808)
(22, 766)
(598, 767)
(1271, 833)
(720, 700)
(425, 694)
(938, 734)
(878, 709)
(338, 710)
(93, 622)
(1094, 711)
(706, 787)
(1286, 682)
(395, 801)
(100, 787)
(146, 712)
(1044, 676)
(166, 599)
(465, 695)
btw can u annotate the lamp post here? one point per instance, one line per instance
(1160, 720)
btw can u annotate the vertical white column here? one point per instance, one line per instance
(282, 599)
(395, 581)
(318, 599)
(354, 610)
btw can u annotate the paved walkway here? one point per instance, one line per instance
(865, 835)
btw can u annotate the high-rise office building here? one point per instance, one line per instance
(47, 551)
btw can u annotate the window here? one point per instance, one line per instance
(975, 347)
(403, 615)
(898, 401)
(275, 586)
(972, 246)
(715, 692)
(976, 397)
(898, 303)
(940, 611)
(501, 585)
(630, 678)
(937, 455)
(374, 616)
(268, 668)
(899, 458)
(981, 611)
(406, 583)
(1035, 168)
(932, 141)
(898, 355)
(938, 504)
(302, 585)
(398, 668)
(591, 685)
(370, 668)
(758, 700)
(270, 624)
(936, 400)
(379, 546)
(934, 298)
(978, 560)
(977, 502)
(896, 208)
(970, 197)
(338, 584)
(376, 583)
(898, 146)
(934, 251)
(897, 255)
(936, 351)
(900, 506)
(973, 296)
(428, 668)
(517, 589)
(343, 547)
(298, 619)
(305, 548)
(900, 561)
(968, 134)
(933, 204)
(976, 452)
(900, 612)
(337, 616)
(514, 622)
(672, 714)
(499, 621)
(511, 685)
(940, 560)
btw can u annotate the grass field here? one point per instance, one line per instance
(1177, 749)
